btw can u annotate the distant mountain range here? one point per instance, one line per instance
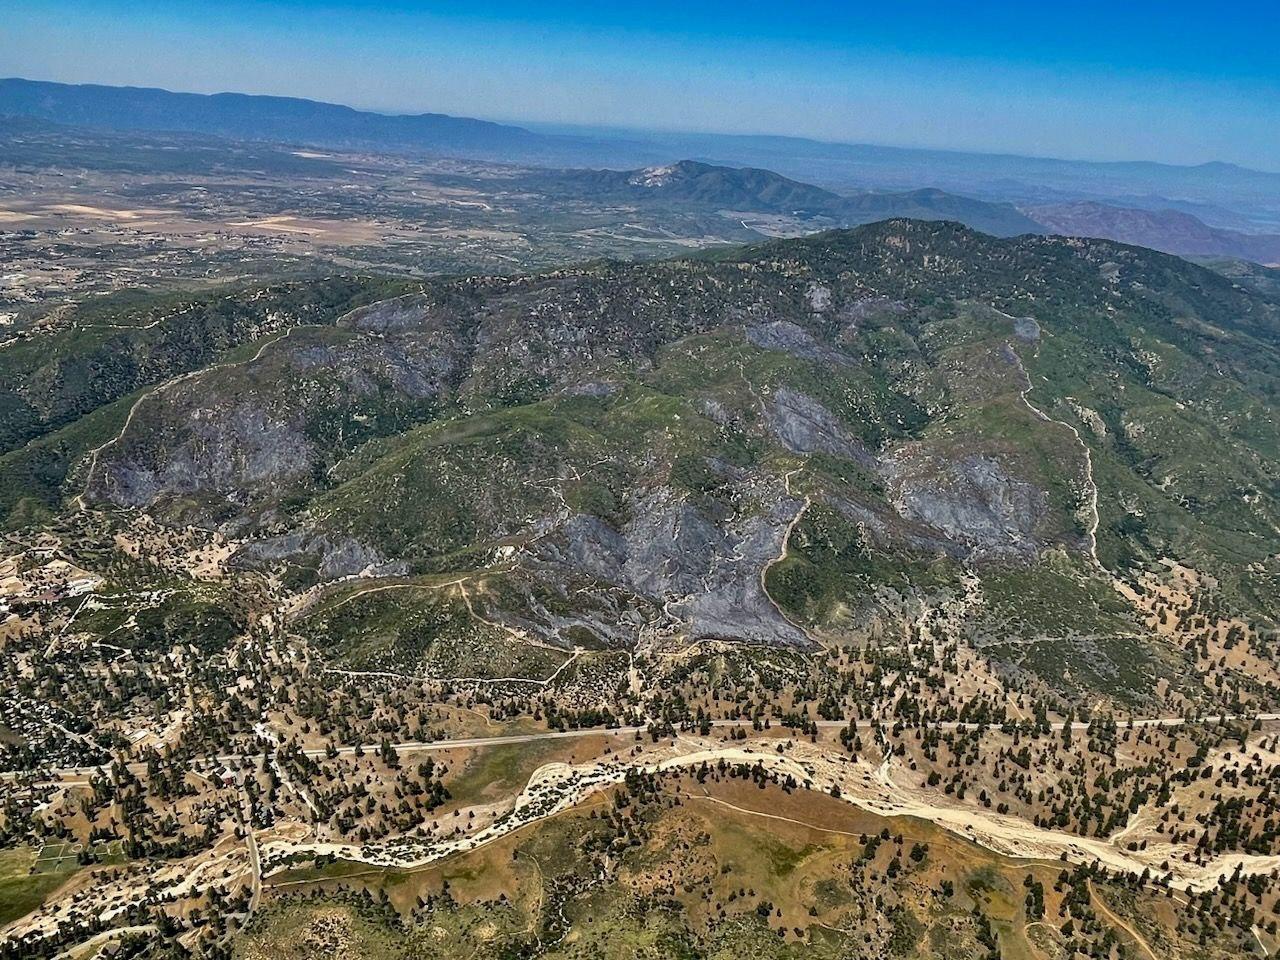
(1009, 195)
(245, 117)
(733, 188)
(1231, 195)
(748, 189)
(1224, 194)
(1168, 230)
(999, 219)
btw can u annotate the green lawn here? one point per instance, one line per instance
(21, 891)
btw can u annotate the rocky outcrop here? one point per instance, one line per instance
(220, 451)
(243, 435)
(706, 576)
(803, 425)
(972, 501)
(790, 338)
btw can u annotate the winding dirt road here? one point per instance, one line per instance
(1116, 921)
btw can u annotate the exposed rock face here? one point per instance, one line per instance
(1026, 328)
(334, 560)
(972, 501)
(731, 603)
(1090, 417)
(803, 425)
(786, 337)
(210, 450)
(705, 575)
(819, 297)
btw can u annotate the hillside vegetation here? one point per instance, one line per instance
(772, 444)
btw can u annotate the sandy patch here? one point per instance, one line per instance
(103, 213)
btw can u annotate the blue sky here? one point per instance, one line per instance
(1172, 81)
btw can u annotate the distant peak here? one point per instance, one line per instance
(654, 176)
(662, 175)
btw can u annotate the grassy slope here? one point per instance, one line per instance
(808, 888)
(22, 891)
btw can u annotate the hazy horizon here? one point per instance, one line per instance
(1090, 83)
(586, 128)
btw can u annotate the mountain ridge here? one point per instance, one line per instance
(950, 192)
(924, 397)
(626, 147)
(249, 116)
(751, 189)
(1170, 231)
